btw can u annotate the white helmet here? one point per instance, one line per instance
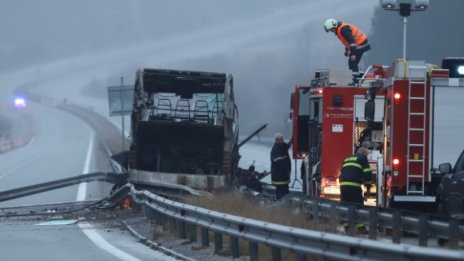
(330, 24)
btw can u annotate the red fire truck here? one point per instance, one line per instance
(397, 113)
(328, 124)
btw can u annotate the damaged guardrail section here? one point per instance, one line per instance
(187, 219)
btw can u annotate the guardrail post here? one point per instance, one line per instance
(181, 229)
(204, 237)
(351, 220)
(234, 248)
(162, 220)
(333, 218)
(423, 220)
(149, 212)
(192, 231)
(276, 254)
(453, 234)
(171, 224)
(396, 227)
(315, 209)
(253, 249)
(217, 242)
(301, 257)
(373, 219)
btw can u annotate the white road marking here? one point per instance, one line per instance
(103, 244)
(58, 222)
(87, 228)
(82, 190)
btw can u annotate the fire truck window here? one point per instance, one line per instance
(304, 103)
(369, 110)
(337, 100)
(314, 113)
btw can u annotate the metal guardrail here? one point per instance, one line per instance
(61, 183)
(423, 226)
(301, 241)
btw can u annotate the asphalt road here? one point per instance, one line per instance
(63, 146)
(58, 150)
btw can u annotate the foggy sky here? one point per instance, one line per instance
(269, 46)
(431, 35)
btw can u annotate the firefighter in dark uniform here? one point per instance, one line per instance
(280, 166)
(355, 172)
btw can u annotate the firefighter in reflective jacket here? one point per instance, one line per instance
(355, 171)
(280, 165)
(354, 40)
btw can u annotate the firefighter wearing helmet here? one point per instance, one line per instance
(354, 40)
(280, 165)
(355, 172)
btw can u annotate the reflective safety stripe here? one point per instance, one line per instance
(279, 158)
(367, 170)
(353, 165)
(280, 182)
(348, 183)
(351, 159)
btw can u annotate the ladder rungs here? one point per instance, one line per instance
(416, 129)
(414, 160)
(416, 191)
(415, 176)
(422, 82)
(416, 145)
(417, 113)
(416, 98)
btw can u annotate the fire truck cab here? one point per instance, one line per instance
(329, 125)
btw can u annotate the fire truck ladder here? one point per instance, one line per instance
(416, 128)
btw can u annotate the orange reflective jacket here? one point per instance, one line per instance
(358, 36)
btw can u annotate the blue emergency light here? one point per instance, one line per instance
(455, 65)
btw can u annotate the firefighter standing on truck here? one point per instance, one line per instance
(280, 165)
(355, 171)
(354, 40)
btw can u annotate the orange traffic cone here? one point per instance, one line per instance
(127, 203)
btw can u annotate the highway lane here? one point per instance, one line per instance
(57, 151)
(38, 238)
(63, 146)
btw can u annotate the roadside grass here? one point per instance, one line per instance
(236, 203)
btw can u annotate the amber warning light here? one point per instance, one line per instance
(397, 97)
(396, 163)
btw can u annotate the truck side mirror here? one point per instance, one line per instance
(369, 111)
(445, 168)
